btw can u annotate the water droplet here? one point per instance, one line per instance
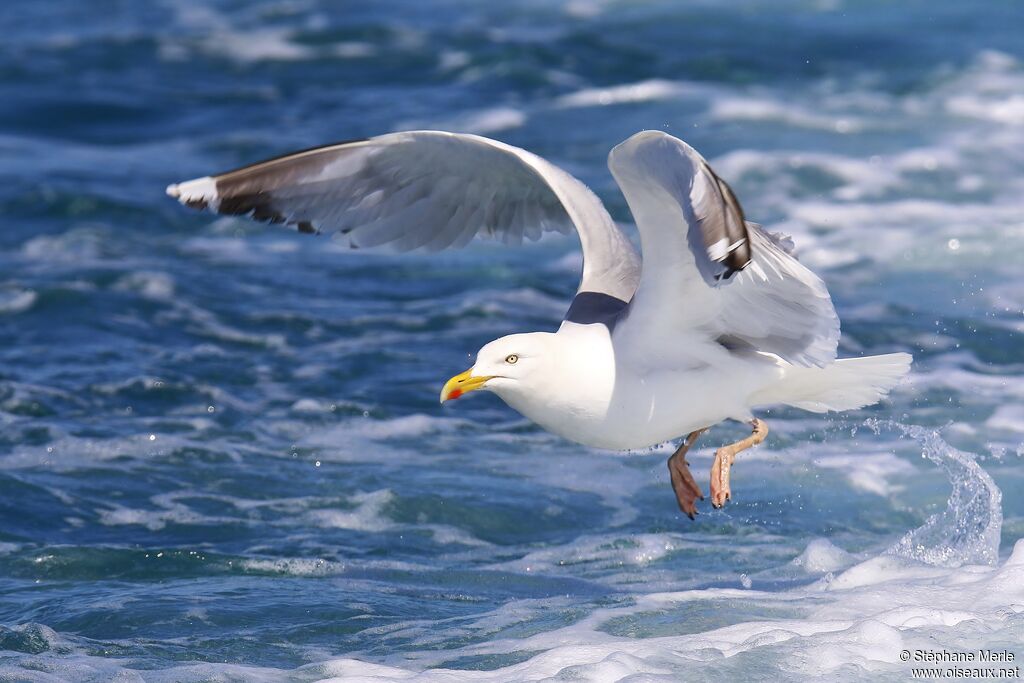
(152, 437)
(953, 244)
(210, 409)
(318, 463)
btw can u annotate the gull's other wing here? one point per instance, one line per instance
(708, 271)
(429, 190)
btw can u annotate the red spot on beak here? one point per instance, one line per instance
(455, 394)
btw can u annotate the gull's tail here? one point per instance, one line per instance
(846, 384)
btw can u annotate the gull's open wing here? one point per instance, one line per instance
(706, 270)
(425, 190)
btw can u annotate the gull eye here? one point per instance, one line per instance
(511, 359)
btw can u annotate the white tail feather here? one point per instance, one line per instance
(846, 384)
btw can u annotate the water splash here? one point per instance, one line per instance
(968, 530)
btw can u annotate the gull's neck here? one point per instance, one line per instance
(575, 385)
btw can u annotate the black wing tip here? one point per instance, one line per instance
(248, 190)
(736, 257)
(738, 254)
(260, 208)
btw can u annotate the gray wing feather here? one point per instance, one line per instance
(426, 190)
(776, 304)
(709, 271)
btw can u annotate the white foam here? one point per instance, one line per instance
(453, 60)
(355, 670)
(489, 120)
(869, 472)
(858, 622)
(406, 426)
(584, 9)
(17, 301)
(204, 322)
(256, 45)
(168, 511)
(450, 535)
(480, 122)
(604, 551)
(310, 405)
(1003, 109)
(218, 34)
(1009, 417)
(988, 90)
(367, 515)
(293, 566)
(642, 91)
(149, 284)
(78, 245)
(821, 556)
(752, 108)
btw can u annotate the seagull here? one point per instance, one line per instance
(716, 320)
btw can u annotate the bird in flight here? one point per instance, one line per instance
(717, 318)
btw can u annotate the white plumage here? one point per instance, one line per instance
(717, 320)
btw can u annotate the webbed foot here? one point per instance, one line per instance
(683, 484)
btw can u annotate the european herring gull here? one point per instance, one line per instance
(718, 318)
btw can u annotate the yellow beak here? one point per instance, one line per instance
(462, 384)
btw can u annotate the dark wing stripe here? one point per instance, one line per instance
(738, 253)
(242, 172)
(722, 233)
(592, 307)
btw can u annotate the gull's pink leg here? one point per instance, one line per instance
(724, 458)
(685, 486)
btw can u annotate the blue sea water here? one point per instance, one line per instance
(221, 452)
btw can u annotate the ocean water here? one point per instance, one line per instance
(221, 452)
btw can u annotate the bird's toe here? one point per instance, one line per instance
(684, 486)
(720, 491)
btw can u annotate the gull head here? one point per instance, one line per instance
(513, 365)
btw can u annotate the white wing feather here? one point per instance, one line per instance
(772, 304)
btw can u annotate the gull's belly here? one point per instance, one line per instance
(599, 393)
(646, 411)
(643, 411)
